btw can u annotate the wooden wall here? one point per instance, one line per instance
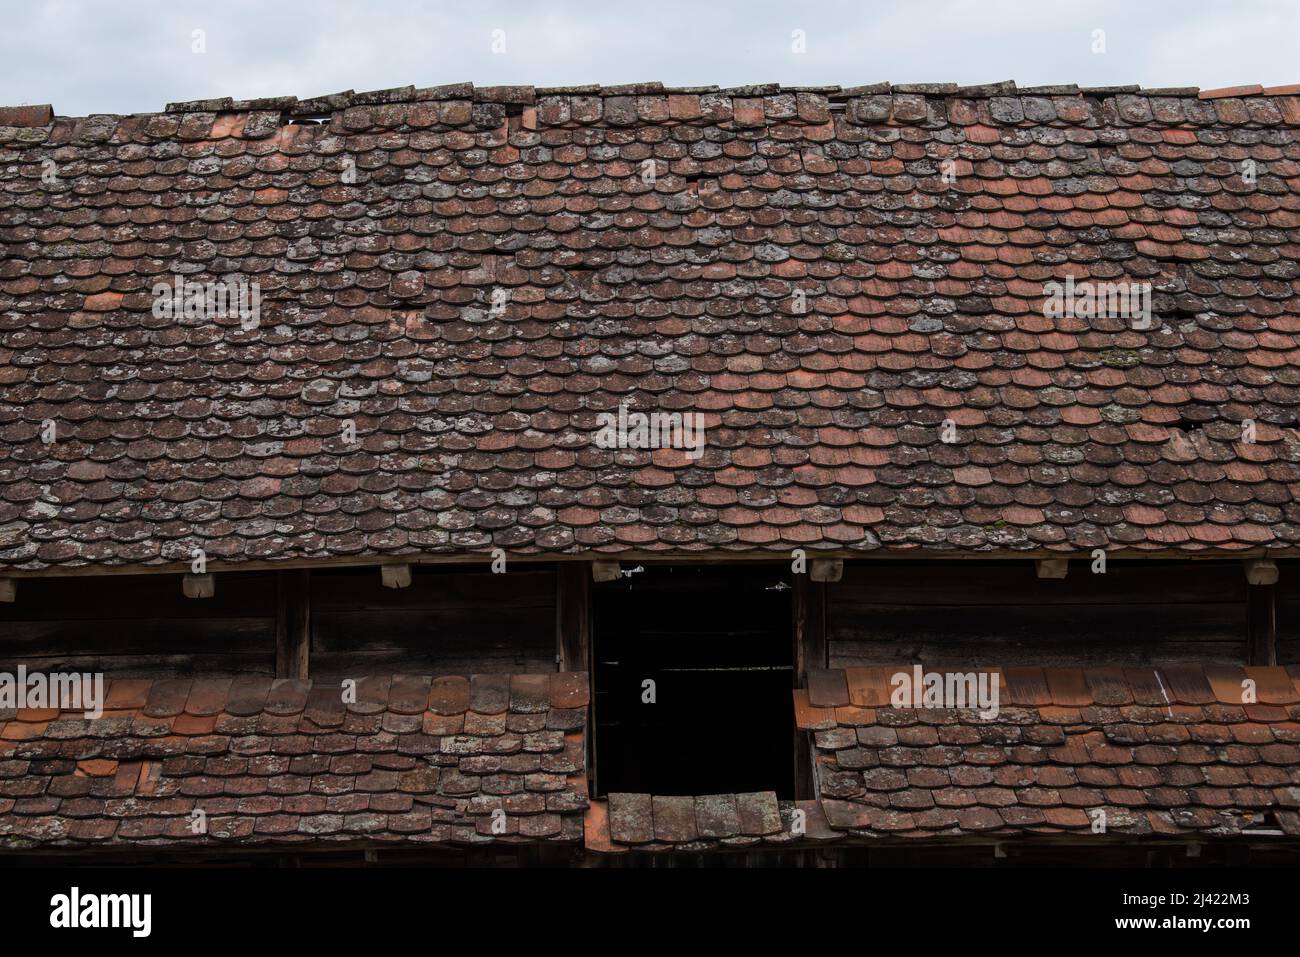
(446, 622)
(458, 621)
(968, 613)
(141, 626)
(1287, 592)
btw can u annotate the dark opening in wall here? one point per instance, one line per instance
(448, 621)
(141, 626)
(717, 643)
(973, 614)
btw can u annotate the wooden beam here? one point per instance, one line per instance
(1261, 571)
(1261, 611)
(718, 556)
(8, 589)
(199, 586)
(572, 618)
(395, 576)
(605, 571)
(808, 605)
(826, 569)
(808, 609)
(293, 624)
(1052, 567)
(1261, 625)
(573, 641)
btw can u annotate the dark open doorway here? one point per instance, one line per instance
(717, 643)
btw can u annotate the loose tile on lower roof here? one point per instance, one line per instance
(690, 823)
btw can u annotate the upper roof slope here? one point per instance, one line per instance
(379, 235)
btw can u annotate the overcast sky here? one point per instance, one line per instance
(136, 55)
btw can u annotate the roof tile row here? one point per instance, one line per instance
(1133, 752)
(853, 302)
(493, 758)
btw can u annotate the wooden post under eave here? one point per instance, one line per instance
(572, 617)
(808, 609)
(293, 624)
(573, 640)
(1261, 625)
(8, 589)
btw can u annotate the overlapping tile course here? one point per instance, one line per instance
(1171, 752)
(924, 303)
(414, 760)
(690, 823)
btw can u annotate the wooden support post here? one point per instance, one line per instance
(199, 586)
(605, 571)
(1053, 567)
(573, 641)
(395, 576)
(573, 617)
(8, 589)
(1261, 611)
(1261, 625)
(808, 609)
(293, 624)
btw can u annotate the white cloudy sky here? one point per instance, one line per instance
(129, 56)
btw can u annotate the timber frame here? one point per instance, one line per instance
(332, 619)
(1266, 586)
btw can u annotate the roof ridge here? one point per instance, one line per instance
(527, 94)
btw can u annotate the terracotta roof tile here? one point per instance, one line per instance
(631, 818)
(652, 823)
(276, 762)
(799, 272)
(1176, 769)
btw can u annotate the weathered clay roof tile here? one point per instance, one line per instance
(1209, 751)
(847, 284)
(652, 823)
(285, 760)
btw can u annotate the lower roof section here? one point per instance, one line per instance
(1188, 751)
(484, 760)
(1107, 755)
